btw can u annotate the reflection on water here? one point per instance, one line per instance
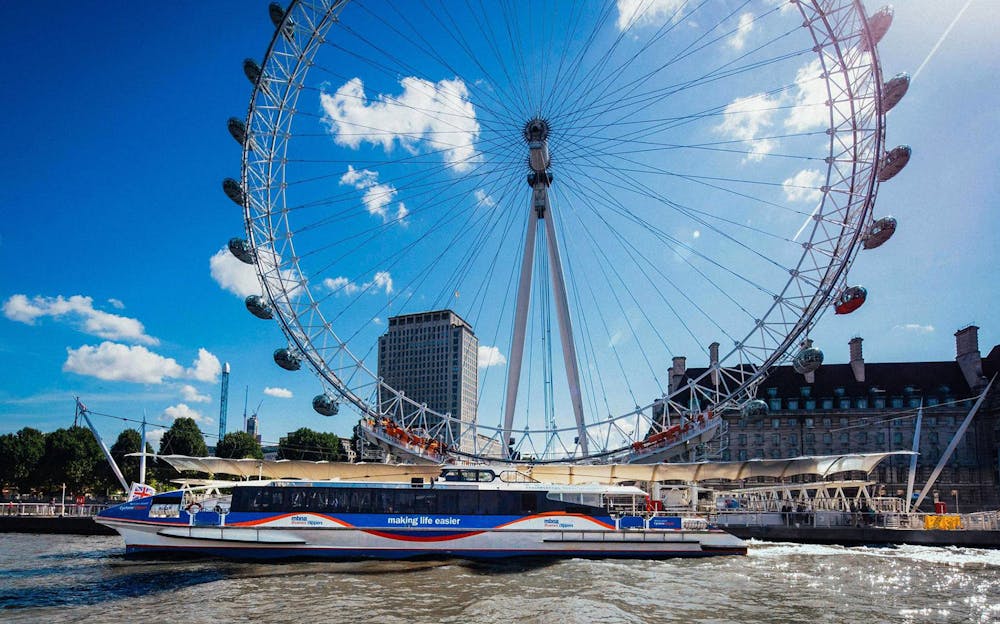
(73, 578)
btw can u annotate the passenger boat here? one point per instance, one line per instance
(396, 512)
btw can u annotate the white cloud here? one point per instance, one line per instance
(809, 111)
(638, 13)
(341, 284)
(490, 356)
(190, 394)
(233, 275)
(439, 115)
(181, 410)
(113, 361)
(739, 38)
(154, 435)
(92, 321)
(281, 393)
(804, 186)
(206, 367)
(915, 328)
(484, 199)
(381, 281)
(746, 118)
(377, 196)
(116, 303)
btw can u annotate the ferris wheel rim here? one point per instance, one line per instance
(280, 288)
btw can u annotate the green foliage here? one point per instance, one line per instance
(20, 458)
(239, 445)
(128, 441)
(311, 445)
(72, 456)
(183, 438)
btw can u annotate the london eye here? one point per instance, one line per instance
(596, 189)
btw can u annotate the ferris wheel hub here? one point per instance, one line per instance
(536, 129)
(536, 133)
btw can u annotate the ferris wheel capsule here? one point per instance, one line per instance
(808, 359)
(240, 247)
(879, 232)
(233, 191)
(755, 409)
(287, 359)
(277, 15)
(850, 300)
(237, 129)
(878, 24)
(893, 162)
(325, 405)
(894, 90)
(252, 71)
(258, 307)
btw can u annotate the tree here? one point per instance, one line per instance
(183, 438)
(129, 441)
(311, 445)
(72, 456)
(20, 458)
(239, 445)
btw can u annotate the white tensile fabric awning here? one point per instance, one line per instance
(566, 474)
(820, 465)
(299, 469)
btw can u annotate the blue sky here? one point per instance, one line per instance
(116, 146)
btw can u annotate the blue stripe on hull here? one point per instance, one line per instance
(272, 553)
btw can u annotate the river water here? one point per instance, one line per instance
(46, 578)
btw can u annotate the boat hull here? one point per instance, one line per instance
(351, 543)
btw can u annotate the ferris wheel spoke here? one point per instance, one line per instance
(621, 209)
(498, 104)
(627, 94)
(634, 252)
(400, 255)
(610, 78)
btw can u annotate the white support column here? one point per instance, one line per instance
(952, 446)
(520, 323)
(565, 324)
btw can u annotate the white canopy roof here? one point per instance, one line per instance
(567, 474)
(821, 465)
(299, 469)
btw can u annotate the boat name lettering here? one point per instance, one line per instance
(422, 521)
(306, 520)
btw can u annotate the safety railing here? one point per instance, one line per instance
(52, 509)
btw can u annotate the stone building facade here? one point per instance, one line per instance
(862, 407)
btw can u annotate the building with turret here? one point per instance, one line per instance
(863, 407)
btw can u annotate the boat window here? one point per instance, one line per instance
(529, 502)
(165, 506)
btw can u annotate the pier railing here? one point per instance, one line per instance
(981, 521)
(52, 510)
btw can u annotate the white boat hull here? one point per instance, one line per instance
(279, 538)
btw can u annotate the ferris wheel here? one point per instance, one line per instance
(584, 195)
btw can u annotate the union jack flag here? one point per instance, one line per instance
(140, 490)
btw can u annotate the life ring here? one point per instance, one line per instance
(193, 508)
